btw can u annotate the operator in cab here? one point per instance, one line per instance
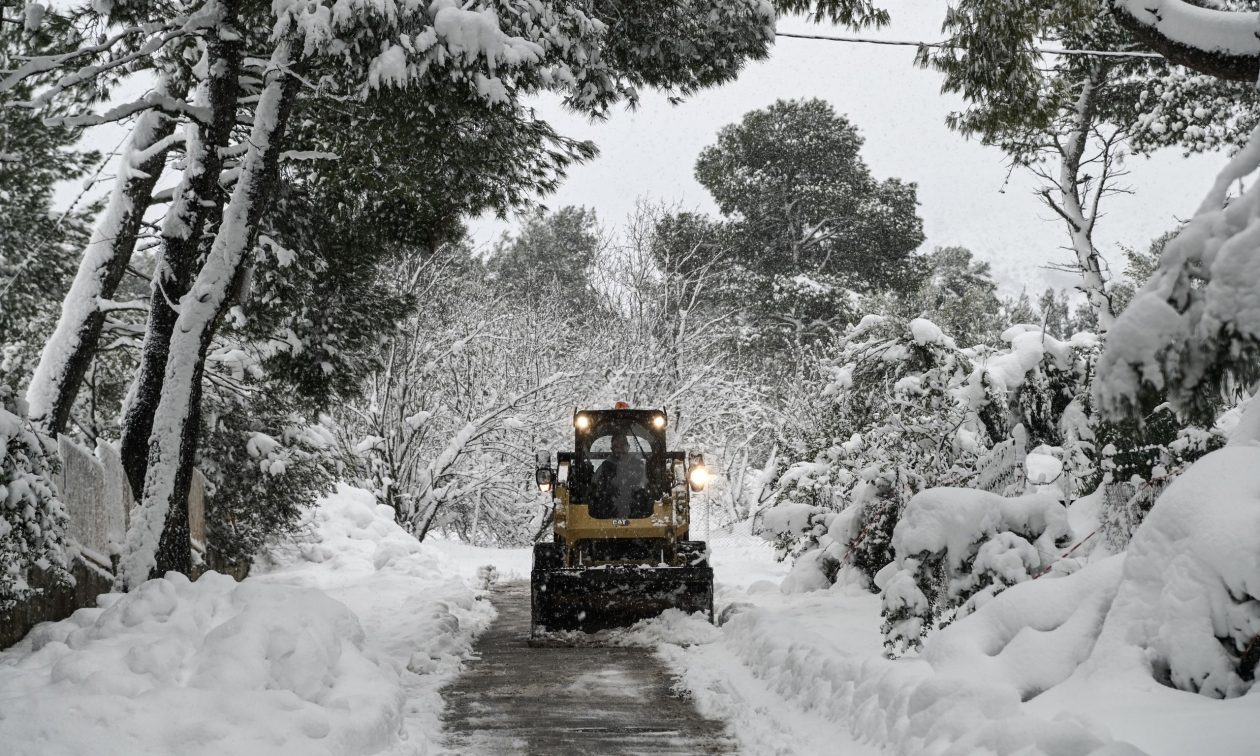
(620, 479)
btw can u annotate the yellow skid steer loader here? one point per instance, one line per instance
(621, 504)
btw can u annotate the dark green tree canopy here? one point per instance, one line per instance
(960, 295)
(800, 199)
(551, 255)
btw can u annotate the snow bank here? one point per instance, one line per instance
(338, 647)
(1030, 637)
(1187, 608)
(212, 666)
(1087, 663)
(848, 694)
(414, 599)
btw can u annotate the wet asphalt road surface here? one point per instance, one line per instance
(557, 700)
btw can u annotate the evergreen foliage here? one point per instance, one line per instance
(38, 247)
(551, 256)
(807, 225)
(32, 518)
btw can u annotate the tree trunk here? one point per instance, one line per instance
(68, 353)
(198, 199)
(173, 440)
(1073, 207)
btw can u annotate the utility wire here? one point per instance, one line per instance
(910, 43)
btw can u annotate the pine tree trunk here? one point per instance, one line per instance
(69, 352)
(197, 199)
(1073, 207)
(158, 537)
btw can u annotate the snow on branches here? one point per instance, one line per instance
(907, 411)
(1193, 331)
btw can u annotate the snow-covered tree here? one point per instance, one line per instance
(1071, 120)
(552, 255)
(469, 387)
(253, 68)
(808, 223)
(263, 471)
(893, 425)
(1189, 336)
(958, 294)
(1220, 43)
(37, 246)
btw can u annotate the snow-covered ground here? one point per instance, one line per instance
(338, 645)
(1037, 672)
(341, 640)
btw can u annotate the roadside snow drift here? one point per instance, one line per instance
(1130, 654)
(214, 665)
(339, 650)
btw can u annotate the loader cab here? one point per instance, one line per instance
(619, 462)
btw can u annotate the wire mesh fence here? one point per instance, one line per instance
(715, 520)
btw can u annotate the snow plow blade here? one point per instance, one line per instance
(600, 598)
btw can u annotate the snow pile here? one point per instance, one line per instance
(414, 599)
(212, 666)
(812, 666)
(1114, 641)
(1030, 638)
(350, 536)
(900, 704)
(672, 626)
(338, 648)
(1187, 608)
(803, 673)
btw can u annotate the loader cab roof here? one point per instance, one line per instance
(643, 429)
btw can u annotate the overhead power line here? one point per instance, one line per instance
(942, 45)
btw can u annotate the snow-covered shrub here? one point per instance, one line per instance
(263, 472)
(32, 518)
(956, 548)
(893, 424)
(1043, 384)
(1133, 477)
(795, 527)
(1179, 606)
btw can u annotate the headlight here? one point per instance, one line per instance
(658, 421)
(698, 477)
(545, 479)
(582, 422)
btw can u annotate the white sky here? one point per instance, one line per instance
(900, 111)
